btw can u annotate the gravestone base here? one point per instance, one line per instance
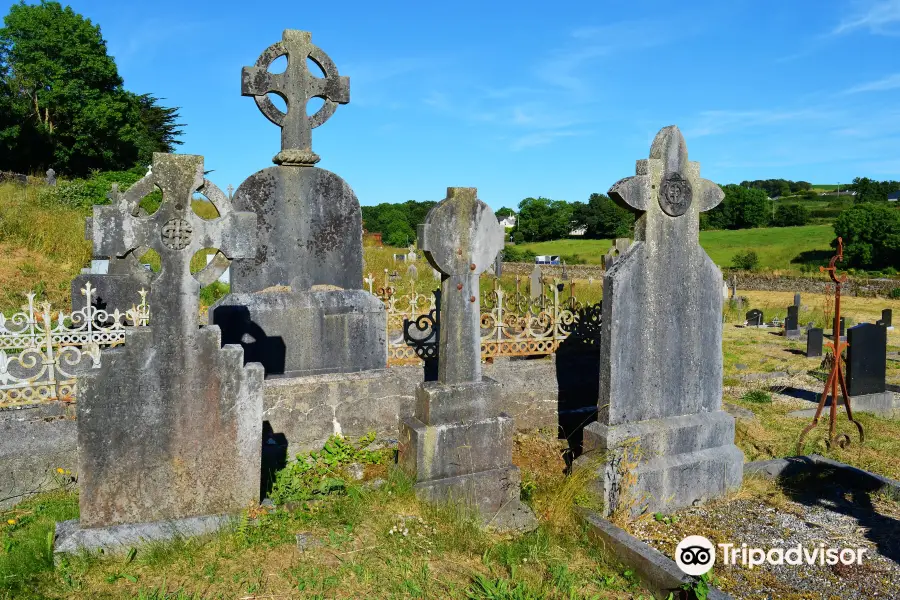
(464, 456)
(683, 460)
(71, 538)
(112, 291)
(792, 334)
(305, 333)
(883, 404)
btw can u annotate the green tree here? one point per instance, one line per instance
(791, 215)
(871, 234)
(868, 190)
(602, 218)
(62, 103)
(504, 212)
(542, 219)
(742, 208)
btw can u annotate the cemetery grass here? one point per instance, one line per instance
(777, 247)
(374, 542)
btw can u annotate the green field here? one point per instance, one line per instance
(779, 248)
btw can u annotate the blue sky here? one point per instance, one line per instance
(527, 98)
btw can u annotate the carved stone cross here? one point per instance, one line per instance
(460, 238)
(296, 86)
(667, 186)
(176, 233)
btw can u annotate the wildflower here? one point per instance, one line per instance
(11, 521)
(60, 471)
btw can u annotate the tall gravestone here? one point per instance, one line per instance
(866, 359)
(660, 394)
(117, 280)
(792, 322)
(458, 445)
(887, 316)
(537, 284)
(814, 341)
(298, 305)
(170, 426)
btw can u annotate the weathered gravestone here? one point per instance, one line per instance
(660, 400)
(537, 285)
(298, 306)
(814, 339)
(498, 264)
(458, 445)
(887, 316)
(412, 272)
(170, 426)
(755, 318)
(117, 280)
(51, 177)
(619, 247)
(797, 300)
(792, 323)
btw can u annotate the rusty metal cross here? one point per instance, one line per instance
(296, 86)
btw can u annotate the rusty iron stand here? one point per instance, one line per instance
(836, 376)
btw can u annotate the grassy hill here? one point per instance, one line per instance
(779, 248)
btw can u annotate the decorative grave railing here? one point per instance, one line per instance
(40, 349)
(512, 323)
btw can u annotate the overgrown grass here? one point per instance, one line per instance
(371, 541)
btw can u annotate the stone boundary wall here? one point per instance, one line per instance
(746, 280)
(558, 392)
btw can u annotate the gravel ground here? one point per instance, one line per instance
(809, 512)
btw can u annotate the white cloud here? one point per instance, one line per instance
(880, 17)
(891, 82)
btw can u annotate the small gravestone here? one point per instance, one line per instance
(792, 323)
(797, 300)
(411, 256)
(310, 237)
(498, 264)
(843, 330)
(755, 318)
(660, 392)
(412, 272)
(117, 280)
(814, 339)
(537, 286)
(51, 177)
(725, 290)
(169, 427)
(458, 444)
(887, 316)
(733, 286)
(619, 247)
(866, 359)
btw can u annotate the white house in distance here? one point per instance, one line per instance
(894, 197)
(508, 222)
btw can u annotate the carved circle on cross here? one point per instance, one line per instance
(467, 235)
(675, 194)
(322, 60)
(176, 234)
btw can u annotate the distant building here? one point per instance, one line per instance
(894, 197)
(578, 232)
(546, 260)
(508, 222)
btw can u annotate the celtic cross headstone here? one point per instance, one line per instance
(296, 86)
(309, 236)
(661, 346)
(458, 444)
(169, 427)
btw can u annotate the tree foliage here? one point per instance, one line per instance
(396, 222)
(504, 212)
(868, 190)
(742, 208)
(62, 102)
(791, 215)
(778, 187)
(871, 234)
(543, 219)
(602, 218)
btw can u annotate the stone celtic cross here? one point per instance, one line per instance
(667, 186)
(460, 238)
(176, 233)
(296, 86)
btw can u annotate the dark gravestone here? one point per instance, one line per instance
(117, 280)
(843, 330)
(755, 318)
(814, 338)
(661, 347)
(792, 323)
(458, 445)
(866, 359)
(887, 316)
(170, 426)
(797, 300)
(298, 304)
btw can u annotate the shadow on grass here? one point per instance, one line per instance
(814, 258)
